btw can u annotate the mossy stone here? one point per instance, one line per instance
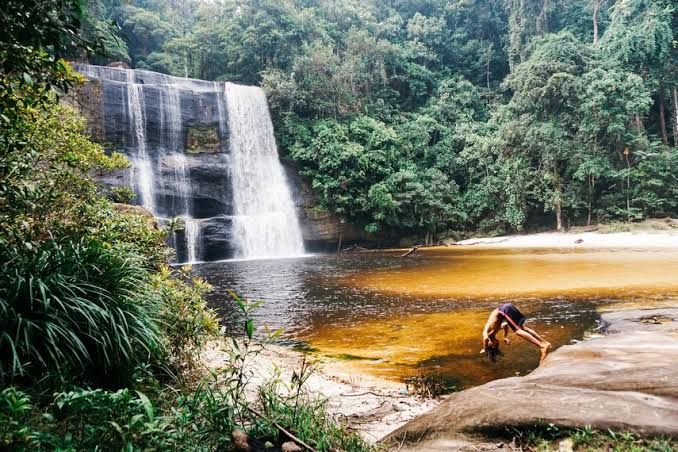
(203, 139)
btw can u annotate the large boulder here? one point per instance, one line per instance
(624, 382)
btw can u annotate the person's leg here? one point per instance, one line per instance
(544, 346)
(528, 337)
(534, 333)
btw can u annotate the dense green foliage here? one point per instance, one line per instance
(437, 116)
(99, 339)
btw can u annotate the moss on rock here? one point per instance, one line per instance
(200, 139)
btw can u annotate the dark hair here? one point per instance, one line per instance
(492, 351)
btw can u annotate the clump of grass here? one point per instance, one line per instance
(431, 385)
(289, 408)
(76, 308)
(548, 437)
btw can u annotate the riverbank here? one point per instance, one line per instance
(372, 406)
(650, 234)
(621, 381)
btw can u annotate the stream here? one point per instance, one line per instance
(396, 317)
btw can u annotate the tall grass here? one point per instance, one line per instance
(76, 309)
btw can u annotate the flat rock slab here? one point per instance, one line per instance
(624, 381)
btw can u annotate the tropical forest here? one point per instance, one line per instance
(338, 225)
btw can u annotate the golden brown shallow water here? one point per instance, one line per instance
(396, 317)
(486, 272)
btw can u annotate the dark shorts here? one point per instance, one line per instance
(512, 315)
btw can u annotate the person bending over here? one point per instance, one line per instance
(505, 316)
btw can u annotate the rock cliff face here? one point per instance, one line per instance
(175, 132)
(321, 229)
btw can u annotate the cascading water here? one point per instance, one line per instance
(172, 139)
(141, 164)
(202, 152)
(265, 222)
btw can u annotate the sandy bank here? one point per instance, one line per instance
(650, 234)
(369, 405)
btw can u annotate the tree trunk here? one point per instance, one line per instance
(487, 64)
(662, 117)
(558, 201)
(596, 8)
(592, 185)
(675, 116)
(628, 187)
(559, 215)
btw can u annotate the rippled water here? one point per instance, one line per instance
(395, 317)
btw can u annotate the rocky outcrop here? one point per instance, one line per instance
(624, 382)
(201, 139)
(136, 210)
(322, 230)
(88, 100)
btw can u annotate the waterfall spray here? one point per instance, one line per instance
(265, 223)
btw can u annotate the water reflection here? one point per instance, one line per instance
(395, 317)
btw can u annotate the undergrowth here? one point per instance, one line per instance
(550, 437)
(148, 415)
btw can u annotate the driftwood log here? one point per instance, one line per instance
(414, 248)
(353, 248)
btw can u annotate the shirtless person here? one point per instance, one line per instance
(505, 316)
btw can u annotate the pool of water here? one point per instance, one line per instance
(396, 317)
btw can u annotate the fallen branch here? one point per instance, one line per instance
(282, 430)
(414, 248)
(483, 242)
(352, 248)
(376, 394)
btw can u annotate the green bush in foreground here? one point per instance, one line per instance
(75, 308)
(173, 418)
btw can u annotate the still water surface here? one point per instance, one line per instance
(395, 317)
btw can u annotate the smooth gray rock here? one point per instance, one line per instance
(624, 381)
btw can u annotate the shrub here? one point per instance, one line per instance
(77, 308)
(124, 195)
(187, 322)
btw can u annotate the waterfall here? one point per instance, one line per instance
(172, 140)
(141, 164)
(265, 222)
(200, 151)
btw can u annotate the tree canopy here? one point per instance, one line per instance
(436, 116)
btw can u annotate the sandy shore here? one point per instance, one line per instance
(371, 406)
(654, 234)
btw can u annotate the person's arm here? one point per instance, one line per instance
(486, 330)
(505, 327)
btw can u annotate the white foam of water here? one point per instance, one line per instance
(142, 171)
(265, 223)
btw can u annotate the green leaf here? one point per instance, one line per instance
(249, 328)
(238, 301)
(148, 406)
(277, 332)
